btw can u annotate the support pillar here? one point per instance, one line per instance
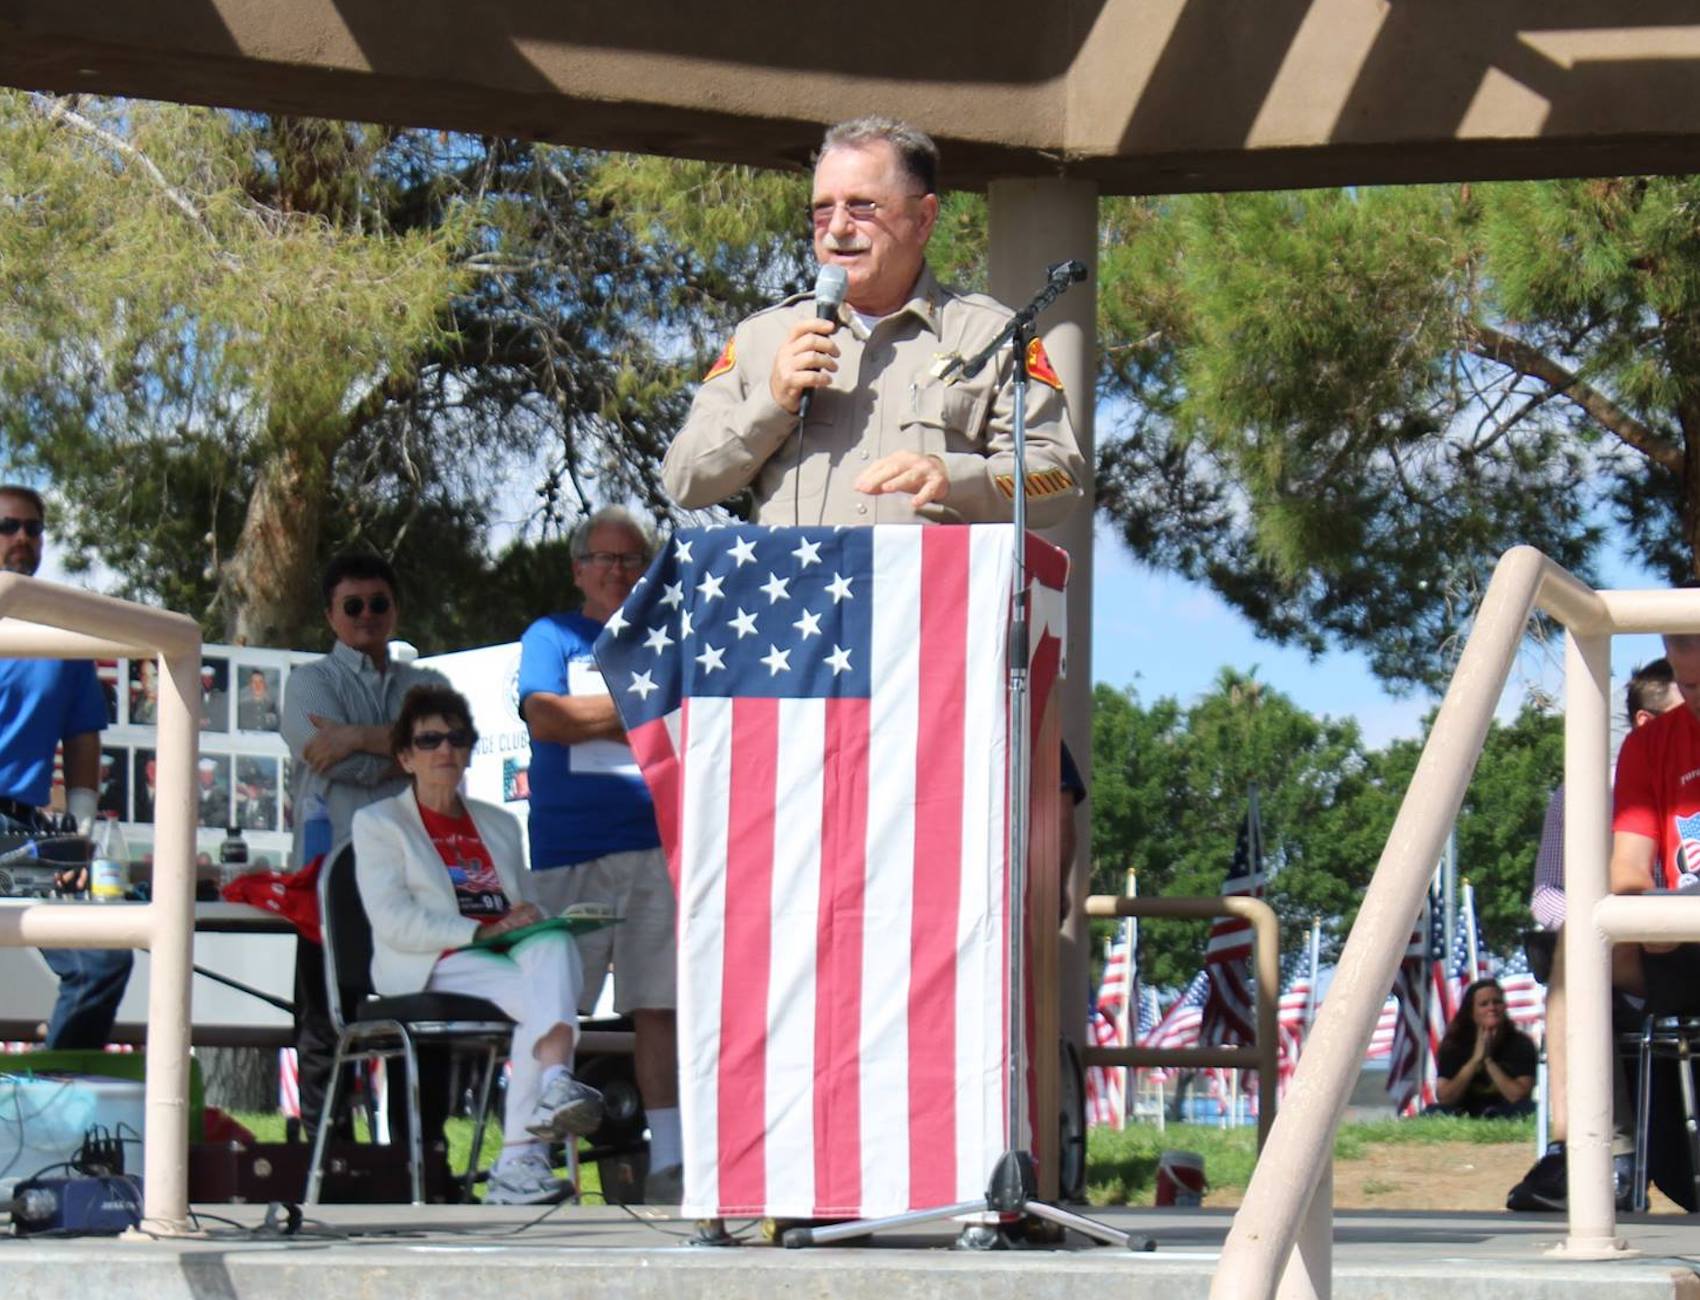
(1034, 224)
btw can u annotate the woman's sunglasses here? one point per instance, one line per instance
(460, 737)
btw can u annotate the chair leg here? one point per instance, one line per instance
(1643, 1113)
(1684, 1062)
(415, 1139)
(481, 1118)
(316, 1169)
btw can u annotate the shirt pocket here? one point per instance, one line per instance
(938, 419)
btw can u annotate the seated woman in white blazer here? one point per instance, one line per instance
(435, 871)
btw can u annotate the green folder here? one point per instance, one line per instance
(508, 938)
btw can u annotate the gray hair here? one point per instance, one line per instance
(617, 516)
(916, 152)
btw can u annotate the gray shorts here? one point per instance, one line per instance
(641, 948)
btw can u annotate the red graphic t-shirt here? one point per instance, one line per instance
(478, 889)
(1658, 794)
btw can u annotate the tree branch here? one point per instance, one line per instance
(1495, 345)
(57, 111)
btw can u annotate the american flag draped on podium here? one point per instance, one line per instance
(821, 717)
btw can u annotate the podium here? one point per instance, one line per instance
(820, 714)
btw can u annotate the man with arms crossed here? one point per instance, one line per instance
(592, 824)
(337, 713)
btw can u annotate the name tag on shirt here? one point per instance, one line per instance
(596, 757)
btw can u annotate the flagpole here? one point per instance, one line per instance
(1470, 933)
(1129, 1016)
(1310, 995)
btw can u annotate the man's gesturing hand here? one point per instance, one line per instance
(805, 360)
(907, 471)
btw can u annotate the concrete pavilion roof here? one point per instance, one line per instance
(1137, 96)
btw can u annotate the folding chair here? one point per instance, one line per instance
(390, 1028)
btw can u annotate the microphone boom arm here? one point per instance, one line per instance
(1058, 279)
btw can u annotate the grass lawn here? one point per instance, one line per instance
(1121, 1168)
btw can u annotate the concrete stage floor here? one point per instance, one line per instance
(407, 1253)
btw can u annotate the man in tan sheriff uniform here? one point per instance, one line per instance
(885, 440)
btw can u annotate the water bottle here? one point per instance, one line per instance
(232, 855)
(109, 873)
(316, 829)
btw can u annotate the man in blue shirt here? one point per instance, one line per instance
(45, 703)
(593, 832)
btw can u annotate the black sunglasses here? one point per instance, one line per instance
(31, 527)
(355, 606)
(460, 738)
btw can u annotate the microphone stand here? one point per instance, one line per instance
(1012, 1193)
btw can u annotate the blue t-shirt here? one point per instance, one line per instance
(589, 799)
(41, 702)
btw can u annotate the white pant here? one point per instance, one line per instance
(536, 982)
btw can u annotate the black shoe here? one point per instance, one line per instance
(1543, 1187)
(1623, 1181)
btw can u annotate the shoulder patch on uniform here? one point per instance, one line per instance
(1040, 484)
(1039, 366)
(728, 358)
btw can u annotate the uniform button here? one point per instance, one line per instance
(861, 510)
(864, 455)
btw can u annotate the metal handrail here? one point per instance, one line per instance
(1263, 1055)
(1280, 1236)
(44, 620)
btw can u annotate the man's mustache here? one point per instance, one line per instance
(833, 244)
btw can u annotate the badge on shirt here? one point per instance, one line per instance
(1039, 366)
(728, 359)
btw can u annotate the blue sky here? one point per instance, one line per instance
(1165, 636)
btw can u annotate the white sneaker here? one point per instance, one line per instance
(525, 1180)
(565, 1108)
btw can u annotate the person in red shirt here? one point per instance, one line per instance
(1655, 845)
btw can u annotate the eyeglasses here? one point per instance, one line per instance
(459, 738)
(608, 559)
(858, 210)
(10, 526)
(355, 606)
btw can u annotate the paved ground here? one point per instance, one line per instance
(390, 1252)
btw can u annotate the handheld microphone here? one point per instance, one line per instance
(831, 285)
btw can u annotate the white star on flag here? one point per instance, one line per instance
(685, 626)
(710, 586)
(745, 623)
(743, 551)
(683, 551)
(838, 660)
(809, 624)
(657, 640)
(776, 588)
(777, 660)
(712, 657)
(642, 685)
(839, 588)
(673, 595)
(807, 552)
(616, 623)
